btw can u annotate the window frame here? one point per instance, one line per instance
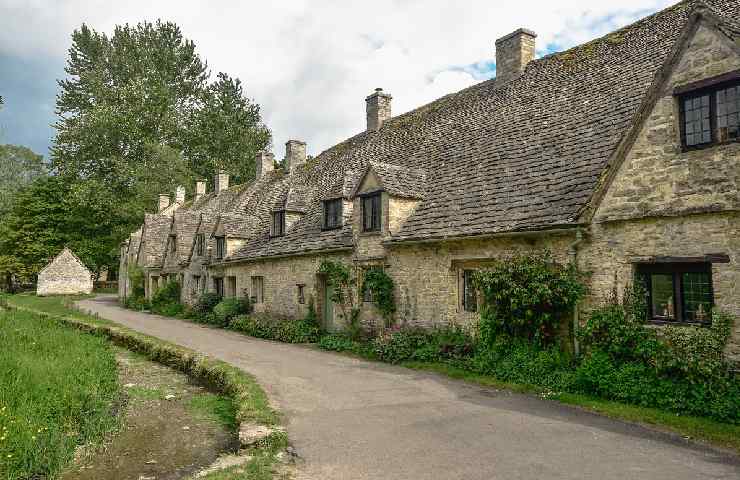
(340, 213)
(301, 293)
(466, 285)
(274, 231)
(643, 271)
(220, 247)
(199, 244)
(173, 244)
(218, 286)
(709, 87)
(257, 287)
(377, 199)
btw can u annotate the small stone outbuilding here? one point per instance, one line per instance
(65, 275)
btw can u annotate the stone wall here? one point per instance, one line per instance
(65, 275)
(657, 178)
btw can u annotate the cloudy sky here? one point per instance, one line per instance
(309, 64)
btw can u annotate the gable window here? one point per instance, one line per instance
(218, 286)
(710, 114)
(301, 293)
(258, 289)
(332, 213)
(278, 223)
(469, 294)
(199, 244)
(371, 212)
(220, 247)
(678, 292)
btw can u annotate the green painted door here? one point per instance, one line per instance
(328, 307)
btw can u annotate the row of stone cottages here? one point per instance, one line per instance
(621, 155)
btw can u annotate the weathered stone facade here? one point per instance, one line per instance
(65, 275)
(579, 153)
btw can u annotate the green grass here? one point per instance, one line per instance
(696, 428)
(144, 393)
(220, 408)
(262, 465)
(58, 390)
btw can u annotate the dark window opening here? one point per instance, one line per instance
(218, 286)
(301, 294)
(333, 213)
(678, 292)
(220, 247)
(371, 213)
(258, 290)
(469, 294)
(278, 223)
(199, 242)
(710, 115)
(173, 243)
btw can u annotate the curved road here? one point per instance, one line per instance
(352, 419)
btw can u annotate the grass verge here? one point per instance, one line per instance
(250, 404)
(700, 429)
(59, 390)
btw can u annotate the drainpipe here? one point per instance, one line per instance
(573, 254)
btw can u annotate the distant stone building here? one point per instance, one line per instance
(65, 275)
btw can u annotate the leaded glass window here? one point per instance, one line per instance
(470, 295)
(371, 212)
(697, 123)
(333, 213)
(678, 292)
(728, 109)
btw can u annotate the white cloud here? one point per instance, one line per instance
(311, 64)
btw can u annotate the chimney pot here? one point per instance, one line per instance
(164, 202)
(295, 154)
(513, 52)
(180, 194)
(264, 162)
(377, 109)
(200, 189)
(222, 181)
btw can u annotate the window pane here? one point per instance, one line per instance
(470, 298)
(697, 126)
(661, 286)
(376, 212)
(728, 106)
(697, 296)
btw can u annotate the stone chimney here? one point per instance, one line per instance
(513, 53)
(264, 162)
(200, 189)
(295, 154)
(222, 181)
(378, 109)
(180, 194)
(164, 202)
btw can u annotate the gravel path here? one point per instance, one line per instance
(353, 419)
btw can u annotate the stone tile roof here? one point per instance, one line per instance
(184, 225)
(525, 155)
(154, 235)
(399, 181)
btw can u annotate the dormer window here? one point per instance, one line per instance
(332, 214)
(278, 224)
(709, 112)
(371, 212)
(220, 247)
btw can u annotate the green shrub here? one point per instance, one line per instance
(166, 300)
(206, 303)
(272, 328)
(438, 344)
(527, 297)
(341, 342)
(227, 309)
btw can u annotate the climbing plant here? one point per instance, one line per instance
(381, 285)
(339, 277)
(527, 296)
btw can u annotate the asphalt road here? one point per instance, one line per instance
(353, 419)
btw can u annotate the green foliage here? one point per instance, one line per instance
(20, 167)
(381, 285)
(137, 115)
(339, 277)
(226, 310)
(527, 297)
(58, 391)
(166, 300)
(271, 328)
(206, 303)
(417, 344)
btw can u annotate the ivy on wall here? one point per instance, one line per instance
(381, 285)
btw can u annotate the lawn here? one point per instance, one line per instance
(58, 390)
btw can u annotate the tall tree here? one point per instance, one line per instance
(19, 167)
(137, 116)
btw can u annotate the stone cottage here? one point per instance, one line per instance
(64, 275)
(620, 155)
